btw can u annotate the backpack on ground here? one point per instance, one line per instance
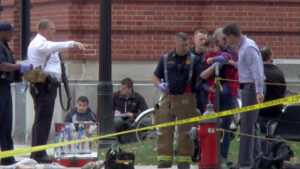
(118, 159)
(278, 152)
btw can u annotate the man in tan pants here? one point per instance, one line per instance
(178, 70)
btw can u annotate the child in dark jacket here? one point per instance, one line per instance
(82, 112)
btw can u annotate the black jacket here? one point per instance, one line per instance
(134, 104)
(199, 80)
(273, 75)
(87, 116)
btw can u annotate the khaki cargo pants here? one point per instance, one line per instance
(175, 107)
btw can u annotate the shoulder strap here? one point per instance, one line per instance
(192, 62)
(47, 58)
(65, 81)
(166, 67)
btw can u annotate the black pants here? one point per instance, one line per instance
(44, 98)
(5, 118)
(202, 99)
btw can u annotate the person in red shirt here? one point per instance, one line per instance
(229, 91)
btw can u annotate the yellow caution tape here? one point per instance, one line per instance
(218, 83)
(258, 137)
(295, 98)
(266, 83)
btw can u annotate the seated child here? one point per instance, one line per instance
(82, 112)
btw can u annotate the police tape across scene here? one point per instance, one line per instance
(290, 99)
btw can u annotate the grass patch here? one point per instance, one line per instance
(145, 152)
(234, 150)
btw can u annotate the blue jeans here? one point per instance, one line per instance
(227, 102)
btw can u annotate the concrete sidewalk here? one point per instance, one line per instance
(51, 152)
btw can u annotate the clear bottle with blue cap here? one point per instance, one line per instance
(23, 87)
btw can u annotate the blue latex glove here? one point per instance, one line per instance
(25, 67)
(205, 87)
(163, 87)
(221, 59)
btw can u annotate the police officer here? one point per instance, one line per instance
(42, 51)
(178, 70)
(9, 72)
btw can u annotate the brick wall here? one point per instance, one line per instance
(144, 29)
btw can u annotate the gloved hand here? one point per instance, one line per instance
(221, 62)
(163, 87)
(25, 67)
(221, 59)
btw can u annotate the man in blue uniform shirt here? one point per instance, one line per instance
(175, 76)
(9, 73)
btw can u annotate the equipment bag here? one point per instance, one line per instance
(117, 159)
(278, 153)
(36, 75)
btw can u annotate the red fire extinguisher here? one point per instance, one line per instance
(208, 141)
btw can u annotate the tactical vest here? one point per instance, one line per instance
(191, 68)
(9, 77)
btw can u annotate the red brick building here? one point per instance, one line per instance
(144, 29)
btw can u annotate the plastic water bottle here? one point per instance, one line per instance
(58, 149)
(23, 86)
(193, 133)
(86, 148)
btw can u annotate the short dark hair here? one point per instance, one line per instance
(232, 29)
(211, 41)
(266, 53)
(127, 82)
(181, 35)
(83, 99)
(201, 31)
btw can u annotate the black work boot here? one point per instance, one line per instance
(183, 166)
(164, 164)
(8, 161)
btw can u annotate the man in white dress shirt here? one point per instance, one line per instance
(42, 51)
